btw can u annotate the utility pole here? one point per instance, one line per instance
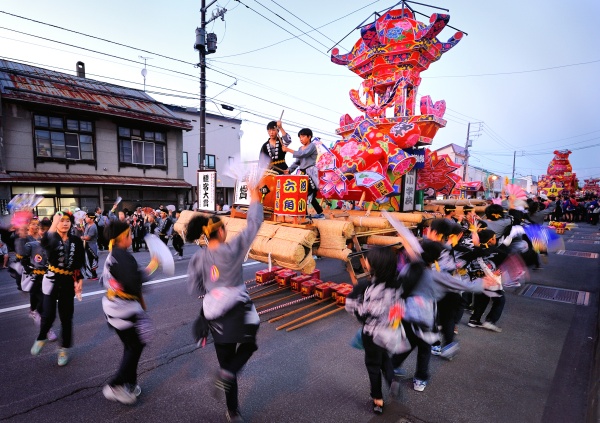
(467, 145)
(514, 161)
(205, 44)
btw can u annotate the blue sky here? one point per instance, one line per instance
(527, 69)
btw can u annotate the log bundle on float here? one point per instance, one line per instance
(337, 236)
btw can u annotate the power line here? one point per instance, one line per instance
(270, 88)
(304, 22)
(294, 37)
(467, 116)
(94, 37)
(497, 135)
(93, 51)
(514, 72)
(281, 70)
(285, 20)
(279, 26)
(534, 152)
(158, 67)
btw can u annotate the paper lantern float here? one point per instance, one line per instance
(370, 159)
(591, 186)
(560, 178)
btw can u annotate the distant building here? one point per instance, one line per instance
(491, 183)
(222, 146)
(81, 143)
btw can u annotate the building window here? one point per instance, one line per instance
(209, 161)
(142, 147)
(63, 138)
(185, 159)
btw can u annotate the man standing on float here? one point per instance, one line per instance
(273, 148)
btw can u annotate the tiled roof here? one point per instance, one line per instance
(66, 178)
(30, 84)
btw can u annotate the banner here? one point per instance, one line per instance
(207, 184)
(409, 183)
(419, 154)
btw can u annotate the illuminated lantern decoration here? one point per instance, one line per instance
(291, 193)
(560, 178)
(438, 174)
(369, 161)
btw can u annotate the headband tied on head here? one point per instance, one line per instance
(211, 227)
(496, 215)
(118, 238)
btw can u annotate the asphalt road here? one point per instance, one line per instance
(539, 369)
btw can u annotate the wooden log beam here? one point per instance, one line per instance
(291, 322)
(275, 291)
(314, 319)
(298, 310)
(277, 301)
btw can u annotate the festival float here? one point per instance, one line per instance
(374, 163)
(591, 186)
(560, 179)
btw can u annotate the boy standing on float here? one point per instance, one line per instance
(273, 148)
(306, 158)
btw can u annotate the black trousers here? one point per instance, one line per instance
(481, 303)
(132, 351)
(62, 295)
(315, 202)
(36, 296)
(423, 353)
(378, 363)
(178, 244)
(102, 244)
(448, 307)
(232, 358)
(137, 243)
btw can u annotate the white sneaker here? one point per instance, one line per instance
(419, 385)
(119, 394)
(51, 335)
(137, 390)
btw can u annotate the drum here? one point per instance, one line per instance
(267, 186)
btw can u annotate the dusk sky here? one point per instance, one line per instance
(528, 70)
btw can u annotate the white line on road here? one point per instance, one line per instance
(102, 291)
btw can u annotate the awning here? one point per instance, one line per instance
(75, 179)
(472, 187)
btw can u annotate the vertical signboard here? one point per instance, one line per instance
(207, 184)
(409, 184)
(242, 195)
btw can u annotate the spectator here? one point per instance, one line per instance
(3, 255)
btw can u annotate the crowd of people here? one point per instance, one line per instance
(420, 291)
(53, 257)
(573, 209)
(465, 262)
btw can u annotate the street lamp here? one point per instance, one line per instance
(491, 181)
